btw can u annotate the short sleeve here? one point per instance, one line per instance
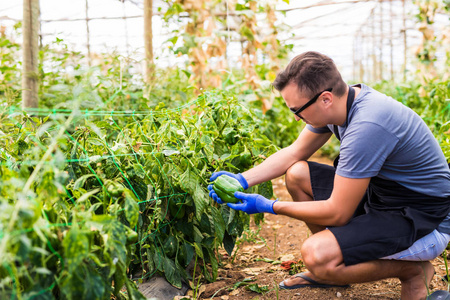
(364, 150)
(318, 130)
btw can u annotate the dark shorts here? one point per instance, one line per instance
(389, 218)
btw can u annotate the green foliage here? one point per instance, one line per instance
(112, 83)
(277, 123)
(109, 195)
(431, 100)
(9, 68)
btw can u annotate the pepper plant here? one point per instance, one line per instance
(111, 196)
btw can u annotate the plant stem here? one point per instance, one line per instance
(193, 276)
(446, 267)
(235, 253)
(275, 245)
(226, 122)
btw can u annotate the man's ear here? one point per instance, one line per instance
(327, 99)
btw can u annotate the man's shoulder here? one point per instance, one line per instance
(376, 107)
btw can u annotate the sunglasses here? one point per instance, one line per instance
(314, 99)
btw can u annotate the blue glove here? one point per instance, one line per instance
(252, 203)
(238, 177)
(212, 194)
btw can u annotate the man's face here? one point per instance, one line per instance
(296, 102)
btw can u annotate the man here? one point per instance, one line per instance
(381, 212)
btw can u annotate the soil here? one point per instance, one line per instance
(279, 240)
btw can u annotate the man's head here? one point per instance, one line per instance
(312, 72)
(310, 77)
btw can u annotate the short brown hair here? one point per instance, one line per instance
(312, 72)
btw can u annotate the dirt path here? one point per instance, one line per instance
(280, 239)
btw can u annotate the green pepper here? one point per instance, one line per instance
(177, 208)
(132, 236)
(170, 246)
(231, 136)
(115, 189)
(225, 186)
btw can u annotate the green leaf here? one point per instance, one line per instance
(198, 236)
(139, 171)
(219, 224)
(214, 264)
(265, 259)
(191, 183)
(189, 253)
(43, 271)
(133, 291)
(131, 208)
(119, 279)
(228, 243)
(95, 129)
(43, 128)
(87, 195)
(94, 286)
(158, 260)
(173, 40)
(115, 239)
(198, 250)
(76, 248)
(95, 141)
(254, 287)
(81, 181)
(205, 224)
(265, 189)
(171, 274)
(188, 74)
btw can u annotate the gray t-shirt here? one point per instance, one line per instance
(385, 138)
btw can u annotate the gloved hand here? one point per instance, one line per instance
(252, 203)
(212, 194)
(238, 177)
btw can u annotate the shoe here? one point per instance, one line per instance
(439, 295)
(312, 283)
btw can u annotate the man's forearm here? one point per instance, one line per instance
(314, 212)
(273, 167)
(277, 164)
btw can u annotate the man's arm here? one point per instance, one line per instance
(335, 211)
(277, 164)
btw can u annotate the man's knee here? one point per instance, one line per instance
(298, 171)
(321, 254)
(311, 253)
(298, 178)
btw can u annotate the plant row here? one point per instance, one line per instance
(92, 200)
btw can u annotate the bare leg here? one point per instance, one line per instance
(323, 258)
(298, 183)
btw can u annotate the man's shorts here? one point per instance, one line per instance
(389, 219)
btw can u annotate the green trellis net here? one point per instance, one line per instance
(93, 202)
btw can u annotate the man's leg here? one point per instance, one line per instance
(323, 258)
(298, 184)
